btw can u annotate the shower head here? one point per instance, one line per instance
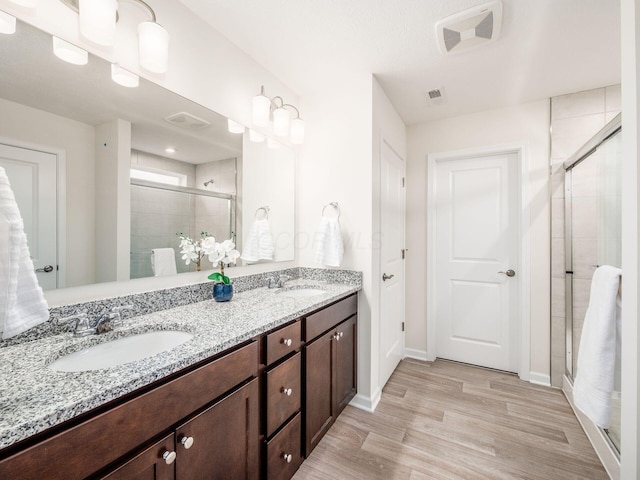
(208, 182)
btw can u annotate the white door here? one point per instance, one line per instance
(392, 203)
(477, 252)
(33, 179)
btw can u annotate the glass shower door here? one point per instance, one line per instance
(593, 197)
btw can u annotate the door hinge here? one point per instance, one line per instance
(402, 182)
(403, 326)
(404, 253)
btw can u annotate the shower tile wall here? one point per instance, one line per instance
(575, 118)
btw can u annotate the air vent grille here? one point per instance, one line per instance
(435, 96)
(187, 121)
(473, 27)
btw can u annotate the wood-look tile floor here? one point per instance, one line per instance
(444, 420)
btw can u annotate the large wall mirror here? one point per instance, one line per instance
(106, 174)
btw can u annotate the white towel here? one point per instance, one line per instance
(596, 358)
(259, 243)
(22, 304)
(163, 261)
(329, 246)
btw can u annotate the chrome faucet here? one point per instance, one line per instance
(278, 281)
(106, 322)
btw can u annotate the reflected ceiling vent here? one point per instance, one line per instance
(435, 97)
(187, 121)
(471, 28)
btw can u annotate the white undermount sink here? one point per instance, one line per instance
(301, 292)
(120, 351)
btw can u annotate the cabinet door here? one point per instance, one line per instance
(149, 464)
(345, 367)
(284, 451)
(319, 387)
(224, 439)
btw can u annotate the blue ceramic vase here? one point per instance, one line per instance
(222, 292)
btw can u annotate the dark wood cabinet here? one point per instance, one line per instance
(330, 367)
(252, 412)
(153, 463)
(223, 441)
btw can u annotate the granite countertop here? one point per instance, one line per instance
(34, 397)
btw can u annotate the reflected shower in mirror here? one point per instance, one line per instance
(76, 141)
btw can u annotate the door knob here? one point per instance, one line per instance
(169, 457)
(386, 277)
(187, 442)
(509, 273)
(45, 269)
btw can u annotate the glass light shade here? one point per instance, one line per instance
(297, 131)
(25, 3)
(97, 20)
(7, 23)
(261, 110)
(234, 127)
(273, 144)
(69, 52)
(124, 77)
(153, 47)
(256, 137)
(281, 121)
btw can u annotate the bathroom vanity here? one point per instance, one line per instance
(250, 396)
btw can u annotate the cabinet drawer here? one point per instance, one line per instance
(327, 318)
(283, 392)
(148, 464)
(283, 341)
(131, 423)
(281, 466)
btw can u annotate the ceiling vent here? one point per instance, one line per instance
(471, 28)
(435, 97)
(187, 121)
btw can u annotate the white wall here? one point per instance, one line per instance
(630, 456)
(526, 124)
(39, 128)
(336, 166)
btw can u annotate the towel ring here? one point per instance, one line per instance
(334, 205)
(265, 210)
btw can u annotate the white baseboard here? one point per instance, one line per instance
(540, 379)
(367, 404)
(417, 354)
(596, 436)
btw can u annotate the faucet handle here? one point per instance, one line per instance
(120, 308)
(116, 313)
(81, 326)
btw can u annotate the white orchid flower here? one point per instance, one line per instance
(208, 244)
(231, 257)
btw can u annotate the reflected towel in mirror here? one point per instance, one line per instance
(22, 303)
(163, 261)
(259, 243)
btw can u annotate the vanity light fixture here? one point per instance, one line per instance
(97, 23)
(255, 137)
(265, 108)
(234, 127)
(124, 77)
(7, 23)
(69, 52)
(170, 150)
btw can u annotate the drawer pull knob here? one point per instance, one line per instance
(287, 391)
(287, 342)
(187, 442)
(169, 457)
(337, 337)
(287, 457)
(340, 334)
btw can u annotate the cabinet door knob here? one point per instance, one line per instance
(337, 337)
(187, 442)
(340, 334)
(169, 457)
(287, 457)
(287, 391)
(287, 342)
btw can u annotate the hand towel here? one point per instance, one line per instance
(597, 355)
(22, 303)
(329, 246)
(259, 243)
(163, 261)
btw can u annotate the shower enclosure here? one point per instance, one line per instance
(592, 238)
(159, 212)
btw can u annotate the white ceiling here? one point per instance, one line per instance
(547, 48)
